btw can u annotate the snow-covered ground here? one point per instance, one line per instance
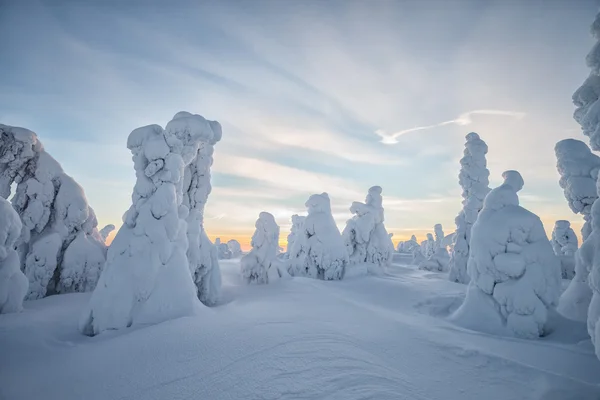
(383, 337)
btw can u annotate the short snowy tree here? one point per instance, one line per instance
(417, 254)
(438, 257)
(515, 276)
(578, 168)
(474, 180)
(147, 277)
(564, 243)
(104, 232)
(319, 250)
(365, 236)
(429, 246)
(223, 252)
(60, 248)
(202, 254)
(13, 283)
(261, 264)
(235, 248)
(295, 230)
(408, 246)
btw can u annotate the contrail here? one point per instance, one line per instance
(462, 119)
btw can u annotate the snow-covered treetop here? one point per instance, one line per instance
(197, 126)
(505, 194)
(266, 222)
(430, 237)
(562, 224)
(413, 238)
(317, 203)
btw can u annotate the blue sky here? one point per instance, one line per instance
(300, 88)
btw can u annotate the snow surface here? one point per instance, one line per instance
(474, 180)
(13, 283)
(383, 338)
(515, 275)
(578, 168)
(58, 225)
(319, 251)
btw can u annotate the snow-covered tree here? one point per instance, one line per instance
(474, 180)
(261, 264)
(439, 259)
(223, 252)
(428, 246)
(295, 230)
(201, 253)
(13, 283)
(147, 277)
(365, 236)
(417, 254)
(60, 248)
(578, 168)
(104, 232)
(407, 246)
(515, 276)
(235, 248)
(319, 250)
(564, 243)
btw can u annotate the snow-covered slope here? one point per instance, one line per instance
(369, 338)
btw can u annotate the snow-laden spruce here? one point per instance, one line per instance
(223, 252)
(147, 277)
(60, 249)
(235, 248)
(564, 243)
(408, 246)
(261, 264)
(587, 258)
(104, 232)
(295, 230)
(319, 250)
(428, 246)
(474, 180)
(515, 275)
(13, 283)
(578, 168)
(202, 254)
(365, 236)
(438, 257)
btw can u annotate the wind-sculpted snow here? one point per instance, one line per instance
(319, 250)
(13, 283)
(578, 168)
(147, 277)
(515, 276)
(365, 236)
(474, 180)
(261, 264)
(60, 248)
(564, 244)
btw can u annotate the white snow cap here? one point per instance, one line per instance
(474, 180)
(147, 277)
(13, 283)
(319, 250)
(515, 276)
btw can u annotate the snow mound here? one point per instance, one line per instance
(13, 283)
(319, 251)
(515, 276)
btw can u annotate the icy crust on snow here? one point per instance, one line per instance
(261, 264)
(564, 243)
(474, 180)
(13, 283)
(235, 248)
(437, 255)
(319, 250)
(515, 276)
(60, 249)
(578, 168)
(147, 277)
(203, 256)
(295, 231)
(366, 239)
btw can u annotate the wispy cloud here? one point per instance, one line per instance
(462, 120)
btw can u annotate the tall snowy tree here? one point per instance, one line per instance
(261, 264)
(13, 283)
(147, 277)
(295, 230)
(578, 168)
(474, 180)
(365, 236)
(201, 253)
(60, 248)
(515, 276)
(319, 250)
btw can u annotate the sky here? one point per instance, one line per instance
(313, 96)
